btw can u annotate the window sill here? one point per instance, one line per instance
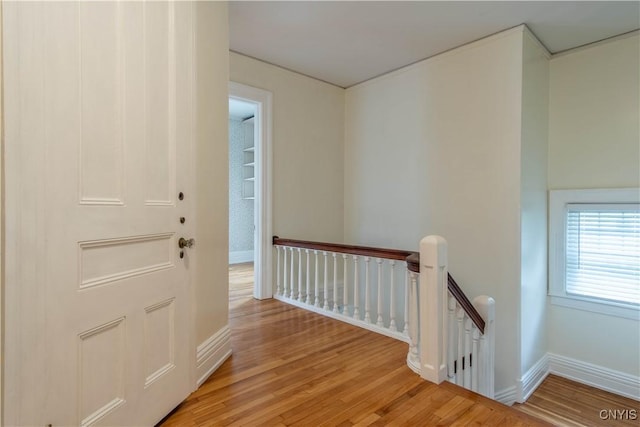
(595, 306)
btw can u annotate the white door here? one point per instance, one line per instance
(98, 148)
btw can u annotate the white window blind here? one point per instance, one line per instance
(603, 251)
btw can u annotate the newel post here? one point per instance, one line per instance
(486, 306)
(433, 308)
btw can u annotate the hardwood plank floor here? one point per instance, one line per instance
(240, 284)
(293, 367)
(563, 402)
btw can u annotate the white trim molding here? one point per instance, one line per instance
(558, 202)
(263, 260)
(532, 379)
(211, 353)
(507, 396)
(595, 376)
(617, 382)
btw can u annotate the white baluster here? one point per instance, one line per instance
(284, 273)
(299, 274)
(481, 363)
(278, 289)
(467, 352)
(392, 299)
(405, 330)
(326, 282)
(292, 293)
(345, 287)
(367, 288)
(308, 301)
(379, 321)
(413, 317)
(317, 291)
(452, 338)
(356, 291)
(460, 355)
(335, 284)
(473, 362)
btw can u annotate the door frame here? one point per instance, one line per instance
(2, 247)
(263, 203)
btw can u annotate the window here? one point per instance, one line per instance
(594, 250)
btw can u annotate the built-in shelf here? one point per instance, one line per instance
(249, 162)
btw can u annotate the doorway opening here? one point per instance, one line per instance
(250, 230)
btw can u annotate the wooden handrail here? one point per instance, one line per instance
(413, 264)
(464, 302)
(345, 249)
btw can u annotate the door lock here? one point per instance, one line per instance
(185, 243)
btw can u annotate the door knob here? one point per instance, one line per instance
(185, 243)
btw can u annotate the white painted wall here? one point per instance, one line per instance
(594, 142)
(308, 163)
(212, 168)
(533, 203)
(465, 145)
(434, 148)
(593, 116)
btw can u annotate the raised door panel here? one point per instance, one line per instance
(102, 370)
(106, 261)
(159, 339)
(160, 102)
(101, 78)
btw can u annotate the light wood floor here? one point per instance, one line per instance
(566, 403)
(294, 367)
(240, 284)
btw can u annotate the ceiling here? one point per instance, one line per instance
(345, 43)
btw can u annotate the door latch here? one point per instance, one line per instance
(185, 243)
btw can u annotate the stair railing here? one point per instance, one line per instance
(402, 294)
(456, 340)
(361, 285)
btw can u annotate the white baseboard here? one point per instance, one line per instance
(507, 396)
(532, 379)
(595, 376)
(239, 257)
(211, 353)
(360, 323)
(592, 375)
